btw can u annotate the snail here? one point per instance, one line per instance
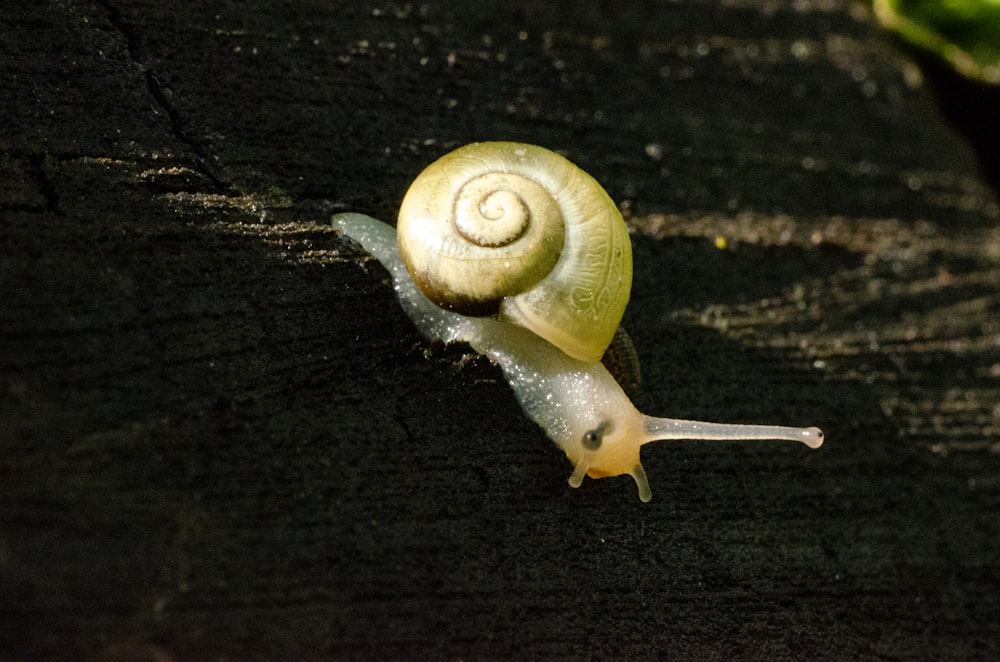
(466, 267)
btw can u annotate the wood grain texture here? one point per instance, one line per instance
(220, 436)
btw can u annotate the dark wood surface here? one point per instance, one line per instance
(221, 437)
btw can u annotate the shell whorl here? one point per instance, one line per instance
(519, 230)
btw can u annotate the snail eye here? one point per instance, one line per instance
(592, 439)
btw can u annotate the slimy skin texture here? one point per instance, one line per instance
(578, 404)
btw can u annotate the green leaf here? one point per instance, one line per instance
(965, 33)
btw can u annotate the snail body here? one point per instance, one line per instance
(555, 371)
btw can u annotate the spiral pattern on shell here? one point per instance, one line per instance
(518, 230)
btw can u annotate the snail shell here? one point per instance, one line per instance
(518, 230)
